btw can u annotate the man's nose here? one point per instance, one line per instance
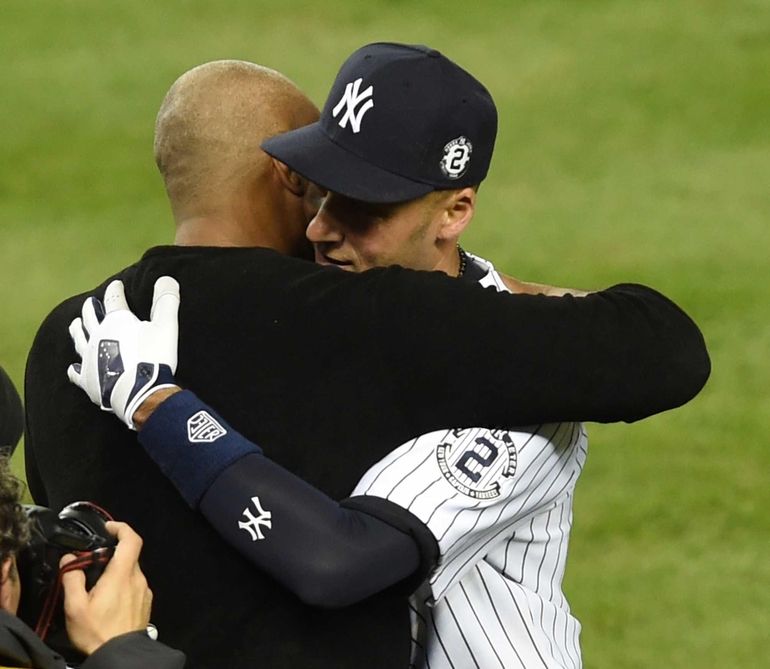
(314, 197)
(324, 227)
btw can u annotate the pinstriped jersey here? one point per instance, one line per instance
(499, 503)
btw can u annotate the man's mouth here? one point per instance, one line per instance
(323, 259)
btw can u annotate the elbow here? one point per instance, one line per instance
(683, 377)
(689, 365)
(329, 586)
(694, 368)
(701, 371)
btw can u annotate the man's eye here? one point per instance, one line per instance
(374, 210)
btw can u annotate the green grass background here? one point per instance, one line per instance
(634, 145)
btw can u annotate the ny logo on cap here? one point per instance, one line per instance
(351, 99)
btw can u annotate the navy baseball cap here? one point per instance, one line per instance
(11, 413)
(400, 121)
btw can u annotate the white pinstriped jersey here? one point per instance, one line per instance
(500, 506)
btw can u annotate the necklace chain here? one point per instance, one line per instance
(463, 260)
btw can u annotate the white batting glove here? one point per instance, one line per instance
(124, 359)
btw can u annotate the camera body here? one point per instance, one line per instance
(79, 528)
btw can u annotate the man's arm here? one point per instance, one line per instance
(619, 354)
(325, 553)
(127, 364)
(232, 480)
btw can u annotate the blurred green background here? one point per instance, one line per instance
(634, 146)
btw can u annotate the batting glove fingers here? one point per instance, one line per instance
(124, 360)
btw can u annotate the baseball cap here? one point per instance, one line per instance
(400, 121)
(11, 413)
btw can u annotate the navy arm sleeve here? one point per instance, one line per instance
(328, 553)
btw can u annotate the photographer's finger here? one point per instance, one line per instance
(127, 551)
(74, 584)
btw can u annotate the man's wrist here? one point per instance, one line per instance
(178, 437)
(147, 408)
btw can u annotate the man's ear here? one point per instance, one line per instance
(291, 181)
(458, 209)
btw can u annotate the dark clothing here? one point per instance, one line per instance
(328, 372)
(327, 554)
(21, 647)
(11, 413)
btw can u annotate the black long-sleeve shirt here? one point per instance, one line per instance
(306, 361)
(20, 646)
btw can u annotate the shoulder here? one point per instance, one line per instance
(509, 284)
(490, 277)
(20, 646)
(70, 307)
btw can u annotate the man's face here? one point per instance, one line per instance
(356, 236)
(292, 229)
(10, 585)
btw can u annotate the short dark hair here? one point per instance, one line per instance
(14, 526)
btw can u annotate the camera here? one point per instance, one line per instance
(79, 528)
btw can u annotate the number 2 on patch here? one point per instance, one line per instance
(465, 458)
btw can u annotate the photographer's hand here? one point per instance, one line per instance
(124, 359)
(120, 601)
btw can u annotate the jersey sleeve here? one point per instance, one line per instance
(473, 486)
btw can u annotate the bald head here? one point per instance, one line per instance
(209, 130)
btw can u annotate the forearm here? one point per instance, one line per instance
(497, 359)
(325, 553)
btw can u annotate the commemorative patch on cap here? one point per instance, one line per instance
(457, 157)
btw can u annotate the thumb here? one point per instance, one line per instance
(74, 374)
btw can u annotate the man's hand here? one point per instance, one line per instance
(124, 359)
(120, 601)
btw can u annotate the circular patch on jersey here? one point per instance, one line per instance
(477, 461)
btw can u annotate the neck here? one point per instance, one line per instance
(450, 261)
(217, 230)
(234, 218)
